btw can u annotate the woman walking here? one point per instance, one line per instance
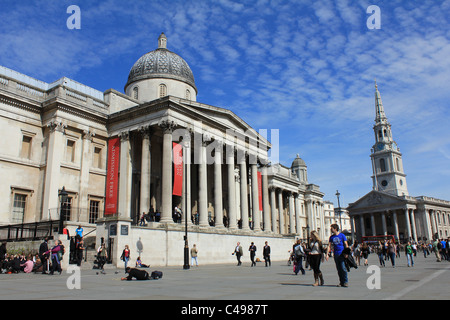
(126, 256)
(381, 251)
(392, 252)
(365, 251)
(316, 257)
(55, 256)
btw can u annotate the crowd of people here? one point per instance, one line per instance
(390, 251)
(48, 260)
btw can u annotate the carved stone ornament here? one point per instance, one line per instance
(57, 125)
(374, 199)
(167, 126)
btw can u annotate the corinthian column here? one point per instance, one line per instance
(231, 188)
(124, 205)
(218, 204)
(145, 169)
(265, 195)
(244, 195)
(166, 201)
(202, 185)
(255, 197)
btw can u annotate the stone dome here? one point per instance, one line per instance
(161, 63)
(298, 162)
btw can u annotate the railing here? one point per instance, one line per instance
(74, 214)
(29, 231)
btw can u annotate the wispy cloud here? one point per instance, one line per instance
(304, 67)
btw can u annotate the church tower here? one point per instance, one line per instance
(388, 175)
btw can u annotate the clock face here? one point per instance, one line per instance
(380, 146)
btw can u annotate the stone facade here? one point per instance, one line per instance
(56, 135)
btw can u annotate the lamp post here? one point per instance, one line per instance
(186, 244)
(339, 209)
(307, 234)
(62, 212)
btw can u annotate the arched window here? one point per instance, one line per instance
(162, 90)
(136, 93)
(382, 165)
(397, 162)
(188, 94)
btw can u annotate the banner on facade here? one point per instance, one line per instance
(260, 191)
(177, 169)
(112, 176)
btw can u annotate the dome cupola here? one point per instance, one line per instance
(159, 73)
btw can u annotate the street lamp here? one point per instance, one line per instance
(307, 234)
(339, 208)
(63, 195)
(186, 244)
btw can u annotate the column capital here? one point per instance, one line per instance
(124, 135)
(88, 134)
(146, 131)
(57, 125)
(167, 126)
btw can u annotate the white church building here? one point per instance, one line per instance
(389, 209)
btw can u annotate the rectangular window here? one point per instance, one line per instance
(97, 161)
(18, 211)
(25, 152)
(70, 151)
(93, 211)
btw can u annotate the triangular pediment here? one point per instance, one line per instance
(226, 118)
(375, 199)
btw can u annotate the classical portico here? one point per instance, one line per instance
(113, 152)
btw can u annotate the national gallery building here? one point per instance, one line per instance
(151, 150)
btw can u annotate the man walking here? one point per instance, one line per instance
(252, 250)
(239, 253)
(339, 242)
(266, 254)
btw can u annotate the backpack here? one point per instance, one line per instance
(156, 275)
(298, 251)
(60, 253)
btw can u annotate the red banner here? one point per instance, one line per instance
(260, 191)
(177, 169)
(112, 176)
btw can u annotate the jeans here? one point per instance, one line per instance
(192, 261)
(299, 265)
(380, 257)
(342, 271)
(410, 259)
(392, 256)
(125, 259)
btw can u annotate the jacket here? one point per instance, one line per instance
(348, 259)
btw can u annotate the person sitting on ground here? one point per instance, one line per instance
(136, 273)
(139, 263)
(28, 265)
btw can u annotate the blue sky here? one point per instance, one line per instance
(306, 68)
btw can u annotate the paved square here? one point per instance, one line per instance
(428, 279)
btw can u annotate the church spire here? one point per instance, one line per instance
(380, 116)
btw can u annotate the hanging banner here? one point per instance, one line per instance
(260, 191)
(112, 176)
(177, 169)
